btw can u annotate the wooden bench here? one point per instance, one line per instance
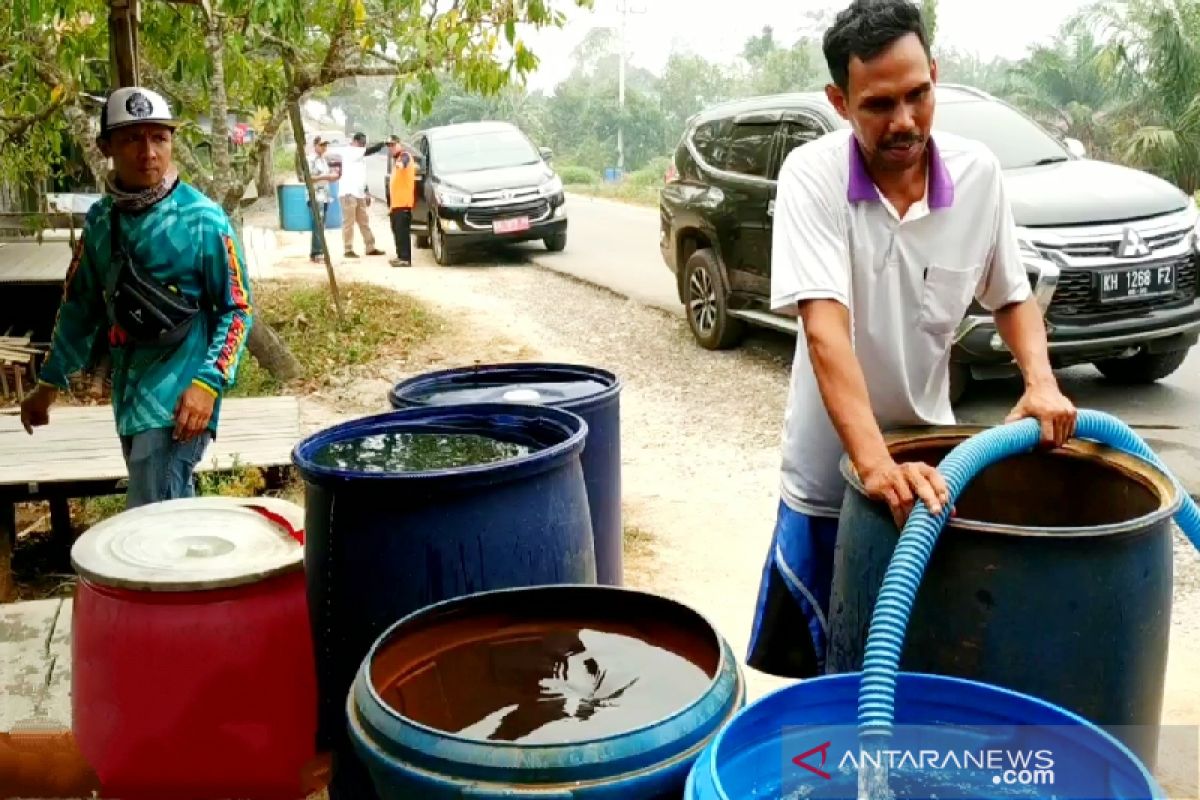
(79, 455)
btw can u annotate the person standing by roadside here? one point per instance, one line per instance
(158, 271)
(884, 234)
(354, 196)
(402, 196)
(323, 175)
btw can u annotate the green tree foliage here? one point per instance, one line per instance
(219, 60)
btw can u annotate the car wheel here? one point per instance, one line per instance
(556, 243)
(1143, 367)
(437, 240)
(705, 303)
(960, 381)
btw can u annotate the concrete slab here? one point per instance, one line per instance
(56, 702)
(26, 633)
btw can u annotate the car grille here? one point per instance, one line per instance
(1108, 248)
(484, 216)
(1076, 296)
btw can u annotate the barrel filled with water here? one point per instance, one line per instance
(417, 506)
(545, 692)
(1053, 579)
(592, 393)
(953, 739)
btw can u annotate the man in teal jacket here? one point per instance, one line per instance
(166, 392)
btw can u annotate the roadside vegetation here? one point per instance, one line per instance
(380, 324)
(1121, 77)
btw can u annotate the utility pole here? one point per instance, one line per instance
(624, 8)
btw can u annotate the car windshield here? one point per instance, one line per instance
(1015, 139)
(479, 151)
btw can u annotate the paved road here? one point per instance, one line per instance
(615, 246)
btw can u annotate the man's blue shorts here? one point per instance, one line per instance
(790, 631)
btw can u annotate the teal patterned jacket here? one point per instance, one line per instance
(187, 242)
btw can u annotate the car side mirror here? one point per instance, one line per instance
(1075, 148)
(547, 154)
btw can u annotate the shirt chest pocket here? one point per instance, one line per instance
(945, 297)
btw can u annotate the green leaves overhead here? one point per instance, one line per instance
(57, 51)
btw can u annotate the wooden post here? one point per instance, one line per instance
(318, 217)
(123, 17)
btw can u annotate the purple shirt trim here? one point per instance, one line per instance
(862, 189)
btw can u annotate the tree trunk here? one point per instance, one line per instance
(222, 162)
(271, 353)
(266, 174)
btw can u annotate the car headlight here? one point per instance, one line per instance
(551, 187)
(1029, 250)
(1196, 228)
(449, 197)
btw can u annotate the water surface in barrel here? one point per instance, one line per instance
(847, 784)
(552, 683)
(417, 452)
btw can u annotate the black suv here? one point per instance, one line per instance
(483, 183)
(1112, 253)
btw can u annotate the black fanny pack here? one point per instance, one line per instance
(148, 311)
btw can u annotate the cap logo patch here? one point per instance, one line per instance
(138, 105)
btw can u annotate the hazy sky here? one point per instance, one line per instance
(718, 28)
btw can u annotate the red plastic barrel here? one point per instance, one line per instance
(192, 663)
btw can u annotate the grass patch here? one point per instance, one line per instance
(637, 540)
(626, 191)
(379, 323)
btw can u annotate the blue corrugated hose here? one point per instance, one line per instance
(877, 693)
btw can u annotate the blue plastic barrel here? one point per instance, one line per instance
(293, 207)
(333, 214)
(1078, 539)
(592, 393)
(381, 545)
(294, 214)
(786, 743)
(408, 691)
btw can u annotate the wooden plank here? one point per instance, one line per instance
(81, 443)
(34, 263)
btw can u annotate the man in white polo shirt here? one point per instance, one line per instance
(883, 235)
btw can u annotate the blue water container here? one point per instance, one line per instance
(453, 663)
(802, 741)
(294, 214)
(381, 545)
(592, 393)
(293, 207)
(333, 214)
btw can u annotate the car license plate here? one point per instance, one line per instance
(511, 225)
(1136, 283)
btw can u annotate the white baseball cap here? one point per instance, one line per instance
(135, 105)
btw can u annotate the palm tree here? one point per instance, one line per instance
(1070, 86)
(1157, 44)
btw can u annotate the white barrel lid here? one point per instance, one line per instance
(192, 544)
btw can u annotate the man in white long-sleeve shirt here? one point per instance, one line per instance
(354, 197)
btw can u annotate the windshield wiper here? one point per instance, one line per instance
(1051, 160)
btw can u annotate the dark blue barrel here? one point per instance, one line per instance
(550, 693)
(381, 545)
(594, 394)
(953, 738)
(1053, 579)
